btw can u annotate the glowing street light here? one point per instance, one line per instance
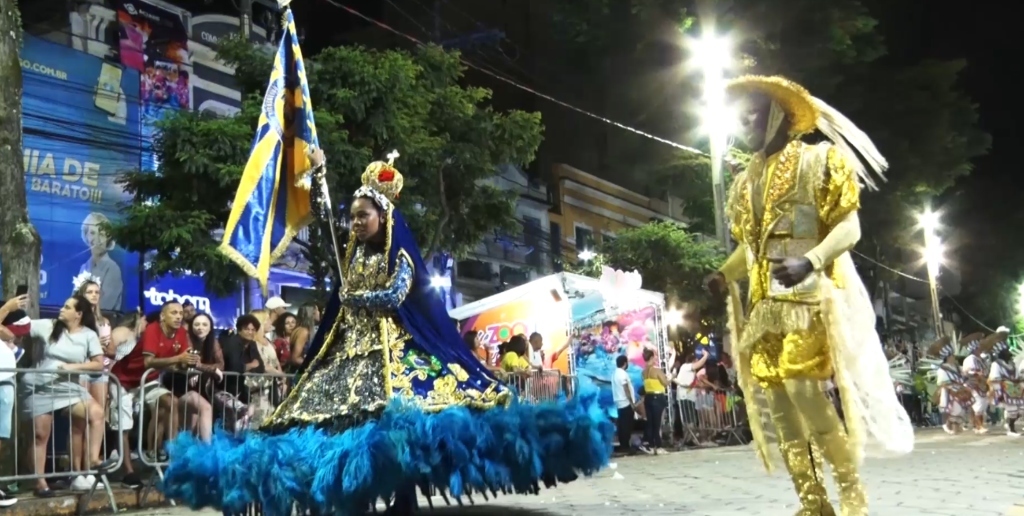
(673, 318)
(929, 221)
(934, 253)
(712, 53)
(587, 255)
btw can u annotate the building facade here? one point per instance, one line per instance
(575, 214)
(587, 210)
(503, 261)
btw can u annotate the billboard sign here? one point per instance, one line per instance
(81, 123)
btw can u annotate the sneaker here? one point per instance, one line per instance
(82, 483)
(132, 481)
(1010, 431)
(660, 451)
(949, 430)
(6, 501)
(646, 450)
(981, 431)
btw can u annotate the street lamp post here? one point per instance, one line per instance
(713, 53)
(933, 252)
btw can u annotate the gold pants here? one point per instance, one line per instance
(790, 368)
(803, 354)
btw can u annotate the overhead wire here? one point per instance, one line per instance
(525, 88)
(480, 50)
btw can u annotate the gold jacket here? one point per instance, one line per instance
(802, 201)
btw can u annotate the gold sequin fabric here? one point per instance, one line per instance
(853, 500)
(806, 480)
(789, 201)
(804, 353)
(368, 359)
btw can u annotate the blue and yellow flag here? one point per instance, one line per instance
(272, 205)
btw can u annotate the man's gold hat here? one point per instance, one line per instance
(807, 113)
(793, 98)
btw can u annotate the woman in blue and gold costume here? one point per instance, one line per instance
(391, 400)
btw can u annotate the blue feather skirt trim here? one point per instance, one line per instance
(460, 451)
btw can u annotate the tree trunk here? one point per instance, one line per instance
(19, 242)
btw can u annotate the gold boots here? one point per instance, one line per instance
(853, 501)
(807, 479)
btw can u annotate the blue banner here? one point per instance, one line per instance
(191, 288)
(81, 131)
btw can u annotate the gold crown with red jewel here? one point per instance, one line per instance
(383, 178)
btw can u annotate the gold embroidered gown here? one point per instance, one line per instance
(366, 359)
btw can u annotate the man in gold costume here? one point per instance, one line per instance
(807, 319)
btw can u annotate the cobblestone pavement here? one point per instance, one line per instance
(956, 476)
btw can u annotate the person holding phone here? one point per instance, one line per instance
(15, 325)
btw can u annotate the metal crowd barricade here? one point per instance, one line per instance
(537, 386)
(43, 399)
(712, 418)
(534, 386)
(200, 402)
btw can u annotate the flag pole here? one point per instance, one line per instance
(320, 173)
(321, 177)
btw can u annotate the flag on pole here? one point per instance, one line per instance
(273, 202)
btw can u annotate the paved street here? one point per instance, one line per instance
(936, 480)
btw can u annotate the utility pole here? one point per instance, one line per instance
(19, 242)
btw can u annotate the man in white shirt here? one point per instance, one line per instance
(976, 373)
(537, 350)
(625, 401)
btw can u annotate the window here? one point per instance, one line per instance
(556, 245)
(514, 276)
(475, 270)
(606, 238)
(533, 237)
(584, 239)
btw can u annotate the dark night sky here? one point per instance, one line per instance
(981, 206)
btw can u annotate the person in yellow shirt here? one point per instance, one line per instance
(807, 316)
(514, 357)
(655, 399)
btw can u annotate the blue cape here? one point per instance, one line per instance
(422, 314)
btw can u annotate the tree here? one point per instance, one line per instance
(367, 103)
(917, 114)
(652, 78)
(670, 259)
(19, 241)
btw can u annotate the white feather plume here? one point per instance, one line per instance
(899, 370)
(847, 136)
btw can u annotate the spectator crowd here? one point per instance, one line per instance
(90, 392)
